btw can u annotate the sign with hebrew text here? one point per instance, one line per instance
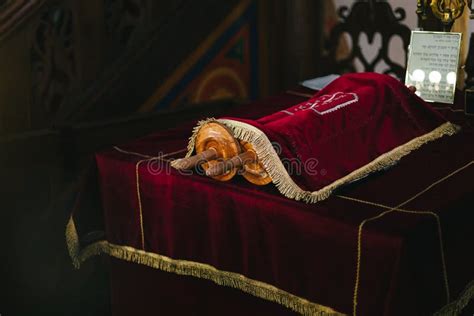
(433, 64)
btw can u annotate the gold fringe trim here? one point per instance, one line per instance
(235, 280)
(72, 242)
(257, 288)
(195, 269)
(282, 180)
(192, 141)
(455, 308)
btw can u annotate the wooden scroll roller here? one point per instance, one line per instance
(222, 156)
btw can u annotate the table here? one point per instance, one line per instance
(395, 243)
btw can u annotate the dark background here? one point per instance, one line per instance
(73, 74)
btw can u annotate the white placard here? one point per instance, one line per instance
(433, 63)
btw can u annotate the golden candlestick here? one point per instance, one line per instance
(447, 11)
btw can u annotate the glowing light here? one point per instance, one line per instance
(418, 93)
(418, 75)
(434, 77)
(451, 78)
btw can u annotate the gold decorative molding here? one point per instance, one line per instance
(14, 12)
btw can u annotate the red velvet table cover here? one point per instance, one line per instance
(396, 243)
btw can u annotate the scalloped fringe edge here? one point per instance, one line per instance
(282, 180)
(455, 308)
(195, 269)
(223, 278)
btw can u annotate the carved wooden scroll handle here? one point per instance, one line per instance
(197, 160)
(235, 162)
(221, 156)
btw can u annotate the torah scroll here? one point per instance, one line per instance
(357, 125)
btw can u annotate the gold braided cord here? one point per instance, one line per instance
(437, 182)
(148, 156)
(137, 179)
(195, 269)
(359, 250)
(398, 209)
(390, 209)
(438, 223)
(139, 199)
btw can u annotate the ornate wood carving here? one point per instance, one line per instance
(3, 3)
(53, 61)
(123, 18)
(12, 13)
(369, 18)
(469, 68)
(470, 54)
(67, 64)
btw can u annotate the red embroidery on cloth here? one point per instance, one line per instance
(326, 103)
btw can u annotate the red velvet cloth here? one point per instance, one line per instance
(160, 293)
(352, 121)
(308, 250)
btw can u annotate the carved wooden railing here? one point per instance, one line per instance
(13, 13)
(59, 57)
(74, 60)
(370, 18)
(469, 66)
